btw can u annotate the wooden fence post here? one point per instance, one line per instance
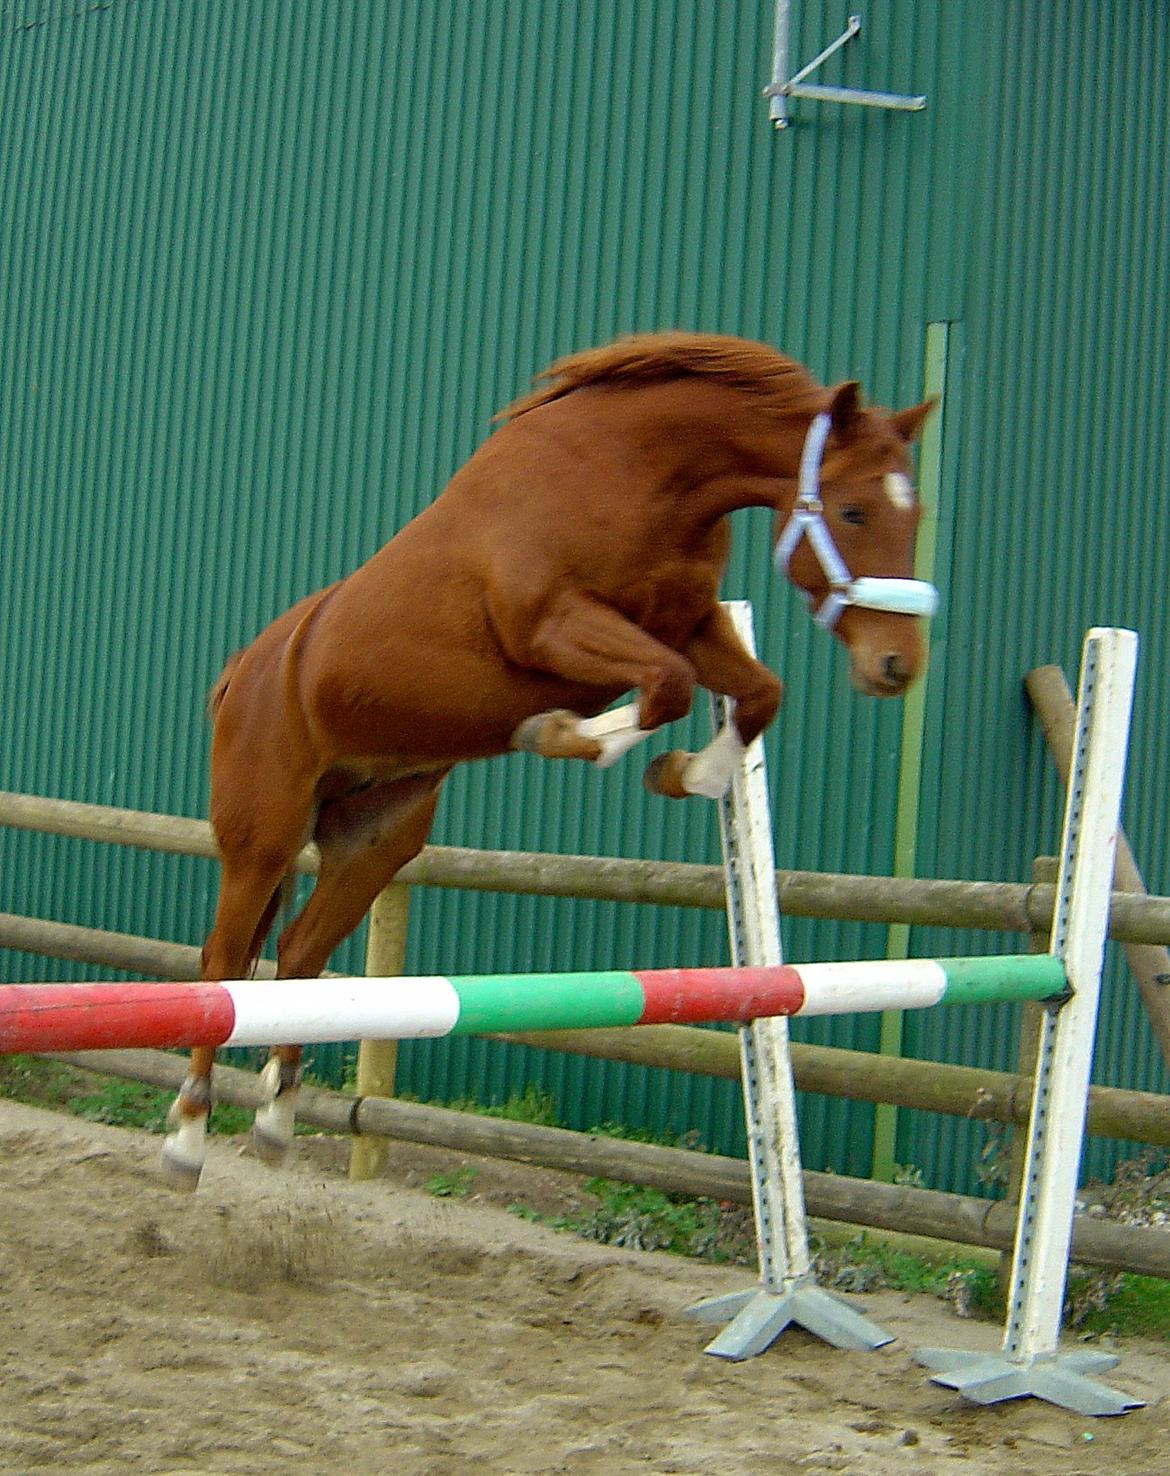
(1148, 963)
(377, 1059)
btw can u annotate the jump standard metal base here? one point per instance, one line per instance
(758, 1317)
(1060, 1378)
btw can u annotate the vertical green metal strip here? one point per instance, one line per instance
(913, 725)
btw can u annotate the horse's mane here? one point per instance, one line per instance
(646, 357)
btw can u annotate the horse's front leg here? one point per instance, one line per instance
(586, 641)
(724, 666)
(600, 740)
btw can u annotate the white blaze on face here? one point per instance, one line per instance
(899, 489)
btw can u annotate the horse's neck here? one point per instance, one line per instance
(753, 463)
(729, 492)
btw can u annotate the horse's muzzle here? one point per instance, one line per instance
(887, 674)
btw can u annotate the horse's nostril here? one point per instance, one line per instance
(893, 670)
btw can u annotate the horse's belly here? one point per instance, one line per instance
(454, 715)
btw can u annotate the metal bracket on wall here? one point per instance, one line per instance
(783, 87)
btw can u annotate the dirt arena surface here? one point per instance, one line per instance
(293, 1321)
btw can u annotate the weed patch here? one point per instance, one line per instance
(455, 1185)
(59, 1087)
(867, 1264)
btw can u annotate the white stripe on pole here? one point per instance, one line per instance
(306, 1011)
(886, 984)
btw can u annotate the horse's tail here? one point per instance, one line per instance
(219, 687)
(279, 909)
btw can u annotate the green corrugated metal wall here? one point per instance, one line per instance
(269, 269)
(1062, 519)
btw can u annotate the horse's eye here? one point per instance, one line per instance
(854, 515)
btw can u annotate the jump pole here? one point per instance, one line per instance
(249, 1012)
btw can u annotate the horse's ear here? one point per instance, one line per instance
(844, 405)
(908, 423)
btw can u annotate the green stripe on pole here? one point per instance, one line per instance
(1017, 976)
(500, 1003)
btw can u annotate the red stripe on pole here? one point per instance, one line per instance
(94, 1017)
(678, 995)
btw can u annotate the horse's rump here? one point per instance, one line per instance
(218, 689)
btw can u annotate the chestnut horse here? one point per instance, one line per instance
(575, 557)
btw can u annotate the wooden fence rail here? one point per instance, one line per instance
(959, 1090)
(953, 1217)
(1017, 907)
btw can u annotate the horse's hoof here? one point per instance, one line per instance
(267, 1147)
(529, 736)
(178, 1170)
(664, 775)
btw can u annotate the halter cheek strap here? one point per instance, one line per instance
(899, 596)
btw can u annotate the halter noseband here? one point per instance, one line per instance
(898, 596)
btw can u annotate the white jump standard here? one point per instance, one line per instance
(1030, 1361)
(787, 1292)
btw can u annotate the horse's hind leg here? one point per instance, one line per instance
(248, 897)
(364, 840)
(185, 1145)
(251, 885)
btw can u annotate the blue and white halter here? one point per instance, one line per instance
(899, 596)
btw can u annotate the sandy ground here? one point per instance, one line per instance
(293, 1321)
